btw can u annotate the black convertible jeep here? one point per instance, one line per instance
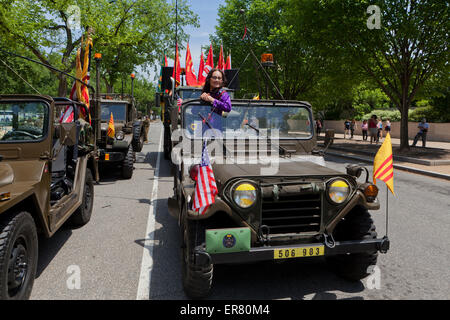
(276, 198)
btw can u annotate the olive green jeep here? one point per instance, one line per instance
(47, 170)
(119, 151)
(276, 198)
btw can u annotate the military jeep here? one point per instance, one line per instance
(129, 133)
(276, 198)
(47, 170)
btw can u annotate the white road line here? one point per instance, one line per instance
(143, 292)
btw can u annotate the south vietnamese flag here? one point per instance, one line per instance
(191, 78)
(111, 129)
(383, 165)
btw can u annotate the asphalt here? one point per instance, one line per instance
(432, 160)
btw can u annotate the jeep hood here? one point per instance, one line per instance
(286, 168)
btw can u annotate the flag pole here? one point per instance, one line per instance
(387, 210)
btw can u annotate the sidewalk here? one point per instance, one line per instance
(434, 160)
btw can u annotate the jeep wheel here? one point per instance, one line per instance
(127, 165)
(18, 256)
(167, 143)
(83, 214)
(197, 279)
(138, 139)
(358, 225)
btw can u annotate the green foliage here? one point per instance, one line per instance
(128, 33)
(392, 115)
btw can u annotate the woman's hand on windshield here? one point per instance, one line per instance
(206, 97)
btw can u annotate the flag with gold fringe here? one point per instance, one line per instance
(383, 164)
(111, 130)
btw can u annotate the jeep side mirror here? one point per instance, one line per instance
(68, 134)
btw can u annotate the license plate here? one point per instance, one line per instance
(301, 252)
(106, 156)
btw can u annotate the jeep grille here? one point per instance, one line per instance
(292, 214)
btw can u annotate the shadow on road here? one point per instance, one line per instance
(49, 247)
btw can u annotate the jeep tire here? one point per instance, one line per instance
(128, 164)
(167, 143)
(357, 225)
(83, 214)
(18, 255)
(197, 279)
(138, 138)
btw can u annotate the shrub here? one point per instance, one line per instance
(393, 115)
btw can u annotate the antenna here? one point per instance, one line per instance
(242, 12)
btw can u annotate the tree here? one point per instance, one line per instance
(129, 32)
(270, 29)
(408, 48)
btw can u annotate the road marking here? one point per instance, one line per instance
(143, 292)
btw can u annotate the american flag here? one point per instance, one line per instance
(179, 103)
(205, 188)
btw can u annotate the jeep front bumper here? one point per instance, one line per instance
(288, 252)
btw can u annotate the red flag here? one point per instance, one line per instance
(221, 62)
(177, 68)
(209, 62)
(228, 64)
(191, 78)
(166, 64)
(201, 77)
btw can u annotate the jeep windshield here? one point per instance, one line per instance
(119, 112)
(23, 121)
(190, 93)
(288, 121)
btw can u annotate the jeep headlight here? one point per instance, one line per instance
(120, 135)
(338, 191)
(244, 195)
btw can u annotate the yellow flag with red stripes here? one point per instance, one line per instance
(111, 130)
(383, 164)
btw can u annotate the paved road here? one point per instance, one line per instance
(124, 254)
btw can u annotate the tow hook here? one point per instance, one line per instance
(329, 241)
(384, 245)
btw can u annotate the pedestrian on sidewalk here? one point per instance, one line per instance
(387, 127)
(146, 127)
(352, 128)
(364, 128)
(318, 127)
(379, 130)
(423, 129)
(346, 128)
(373, 128)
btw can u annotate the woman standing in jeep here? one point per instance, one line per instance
(214, 93)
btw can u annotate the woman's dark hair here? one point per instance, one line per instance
(206, 87)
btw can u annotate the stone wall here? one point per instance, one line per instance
(437, 131)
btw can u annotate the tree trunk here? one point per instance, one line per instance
(404, 140)
(62, 88)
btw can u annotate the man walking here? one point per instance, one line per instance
(146, 126)
(423, 129)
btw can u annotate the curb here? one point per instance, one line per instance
(397, 166)
(399, 158)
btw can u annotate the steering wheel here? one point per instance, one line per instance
(12, 134)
